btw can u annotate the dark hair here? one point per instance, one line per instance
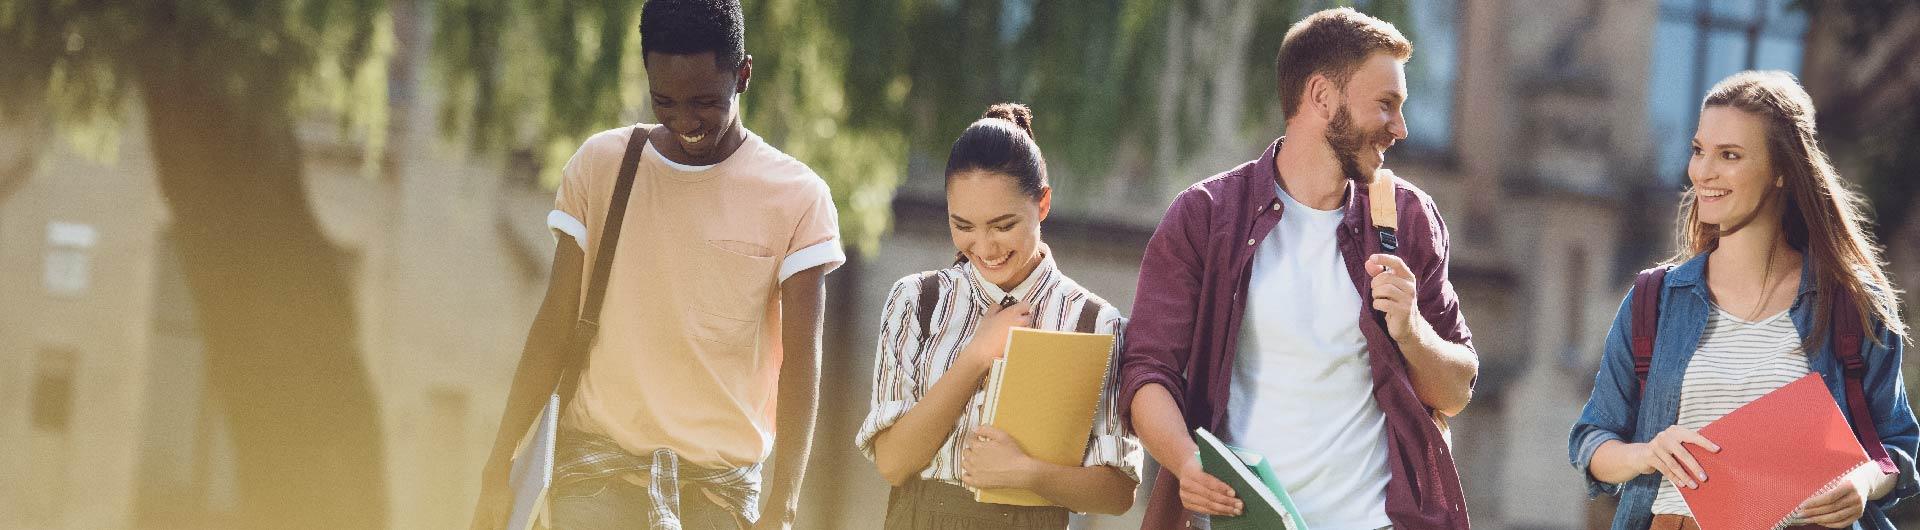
(1001, 141)
(1334, 42)
(690, 27)
(1823, 219)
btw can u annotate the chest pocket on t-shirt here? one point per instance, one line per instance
(731, 282)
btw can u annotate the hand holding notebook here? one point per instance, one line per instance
(1267, 505)
(1763, 471)
(1044, 393)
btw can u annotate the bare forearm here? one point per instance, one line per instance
(905, 448)
(1162, 427)
(1088, 489)
(1616, 462)
(798, 408)
(1442, 371)
(803, 303)
(541, 358)
(533, 381)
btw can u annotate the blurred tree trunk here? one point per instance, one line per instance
(272, 293)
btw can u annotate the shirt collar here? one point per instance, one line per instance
(1268, 167)
(1693, 273)
(1042, 274)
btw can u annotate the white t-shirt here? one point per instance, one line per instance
(1302, 393)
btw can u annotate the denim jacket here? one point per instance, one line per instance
(1615, 411)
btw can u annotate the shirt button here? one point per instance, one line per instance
(1276, 206)
(1249, 242)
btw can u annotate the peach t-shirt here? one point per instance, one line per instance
(688, 357)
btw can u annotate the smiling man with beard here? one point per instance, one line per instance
(1264, 314)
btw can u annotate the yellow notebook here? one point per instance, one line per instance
(1044, 393)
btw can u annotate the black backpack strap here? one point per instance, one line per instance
(1646, 320)
(1090, 314)
(929, 298)
(586, 329)
(1848, 334)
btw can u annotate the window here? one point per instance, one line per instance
(68, 246)
(1434, 30)
(1698, 42)
(53, 391)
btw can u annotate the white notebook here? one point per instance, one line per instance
(533, 469)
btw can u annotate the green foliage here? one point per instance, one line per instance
(77, 62)
(855, 88)
(803, 99)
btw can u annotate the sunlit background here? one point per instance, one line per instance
(269, 264)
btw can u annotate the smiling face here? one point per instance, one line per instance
(1369, 121)
(996, 226)
(1730, 169)
(694, 99)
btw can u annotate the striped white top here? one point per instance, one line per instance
(904, 369)
(1738, 361)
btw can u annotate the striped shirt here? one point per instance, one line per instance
(905, 367)
(1738, 362)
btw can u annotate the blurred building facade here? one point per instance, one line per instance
(1553, 161)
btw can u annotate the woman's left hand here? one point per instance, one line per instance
(1840, 506)
(994, 460)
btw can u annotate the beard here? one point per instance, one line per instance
(1347, 140)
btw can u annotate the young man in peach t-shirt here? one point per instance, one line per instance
(713, 305)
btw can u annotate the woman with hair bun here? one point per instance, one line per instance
(941, 331)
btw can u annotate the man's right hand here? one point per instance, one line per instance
(495, 504)
(1203, 493)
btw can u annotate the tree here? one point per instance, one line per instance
(219, 84)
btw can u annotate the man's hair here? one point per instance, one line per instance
(1334, 42)
(690, 27)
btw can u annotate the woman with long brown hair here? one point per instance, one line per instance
(1776, 277)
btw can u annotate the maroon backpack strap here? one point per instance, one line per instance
(1646, 321)
(929, 296)
(1090, 314)
(1847, 336)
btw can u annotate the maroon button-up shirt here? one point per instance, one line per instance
(1190, 302)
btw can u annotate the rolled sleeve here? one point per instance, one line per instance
(1119, 452)
(1159, 337)
(895, 389)
(825, 253)
(1583, 456)
(1112, 442)
(883, 415)
(1609, 413)
(585, 183)
(1892, 412)
(816, 235)
(566, 224)
(1904, 486)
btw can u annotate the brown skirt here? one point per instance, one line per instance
(1681, 522)
(935, 505)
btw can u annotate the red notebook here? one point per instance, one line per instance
(1775, 453)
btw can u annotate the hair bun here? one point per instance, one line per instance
(1019, 114)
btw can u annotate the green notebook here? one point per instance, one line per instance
(1266, 503)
